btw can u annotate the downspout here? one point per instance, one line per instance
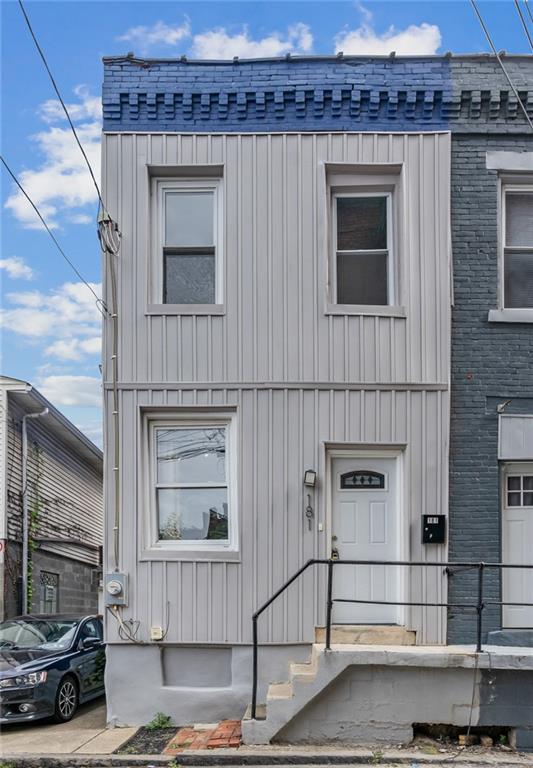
(25, 519)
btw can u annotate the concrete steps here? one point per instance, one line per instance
(434, 685)
(307, 680)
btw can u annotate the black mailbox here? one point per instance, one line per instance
(433, 529)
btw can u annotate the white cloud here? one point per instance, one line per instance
(74, 349)
(87, 107)
(16, 267)
(67, 318)
(158, 34)
(423, 39)
(64, 390)
(61, 184)
(219, 44)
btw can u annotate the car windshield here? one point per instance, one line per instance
(45, 634)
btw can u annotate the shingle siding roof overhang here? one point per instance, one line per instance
(314, 94)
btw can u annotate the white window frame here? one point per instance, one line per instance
(505, 188)
(161, 186)
(184, 421)
(516, 469)
(391, 288)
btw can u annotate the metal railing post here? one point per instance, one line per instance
(254, 672)
(480, 605)
(329, 605)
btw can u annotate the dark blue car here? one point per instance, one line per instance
(49, 665)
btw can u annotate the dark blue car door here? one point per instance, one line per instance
(90, 662)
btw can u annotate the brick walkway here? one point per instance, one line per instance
(226, 734)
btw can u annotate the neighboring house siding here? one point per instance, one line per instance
(70, 491)
(491, 362)
(67, 487)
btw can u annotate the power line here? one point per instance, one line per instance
(500, 62)
(524, 24)
(529, 10)
(62, 102)
(99, 301)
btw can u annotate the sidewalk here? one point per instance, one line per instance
(85, 734)
(85, 742)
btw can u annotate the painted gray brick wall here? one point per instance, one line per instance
(491, 362)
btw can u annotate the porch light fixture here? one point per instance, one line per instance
(310, 478)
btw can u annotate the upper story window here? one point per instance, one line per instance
(517, 236)
(362, 244)
(188, 242)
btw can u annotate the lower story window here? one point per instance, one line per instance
(191, 482)
(520, 490)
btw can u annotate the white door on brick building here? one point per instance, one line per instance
(365, 526)
(517, 544)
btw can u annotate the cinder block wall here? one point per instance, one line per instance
(491, 362)
(78, 583)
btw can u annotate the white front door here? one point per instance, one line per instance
(517, 544)
(365, 526)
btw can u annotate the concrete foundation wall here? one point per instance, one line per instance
(380, 704)
(144, 679)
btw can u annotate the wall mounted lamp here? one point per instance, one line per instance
(310, 478)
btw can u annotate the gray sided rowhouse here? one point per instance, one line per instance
(283, 378)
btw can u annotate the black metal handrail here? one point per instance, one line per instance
(449, 569)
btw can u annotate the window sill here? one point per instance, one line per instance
(363, 309)
(191, 555)
(185, 309)
(510, 316)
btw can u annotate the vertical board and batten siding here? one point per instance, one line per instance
(281, 432)
(299, 378)
(275, 263)
(70, 491)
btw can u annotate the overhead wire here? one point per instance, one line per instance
(524, 23)
(500, 62)
(56, 89)
(100, 303)
(526, 3)
(110, 237)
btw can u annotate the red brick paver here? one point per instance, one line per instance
(227, 734)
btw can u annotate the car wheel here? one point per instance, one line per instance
(67, 700)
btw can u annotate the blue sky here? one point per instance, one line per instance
(50, 322)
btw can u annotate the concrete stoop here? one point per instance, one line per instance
(361, 694)
(371, 634)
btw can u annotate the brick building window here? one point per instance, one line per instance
(520, 491)
(517, 230)
(49, 592)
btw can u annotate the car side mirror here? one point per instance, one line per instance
(90, 642)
